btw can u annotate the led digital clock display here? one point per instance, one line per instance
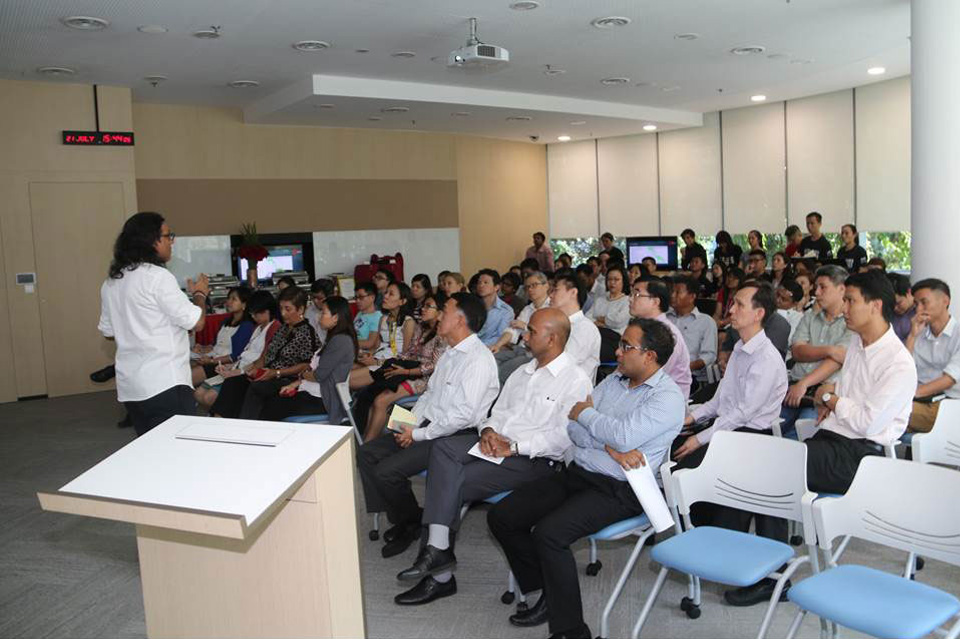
(98, 138)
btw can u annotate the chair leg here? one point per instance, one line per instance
(621, 582)
(771, 607)
(792, 632)
(375, 531)
(511, 592)
(593, 568)
(648, 604)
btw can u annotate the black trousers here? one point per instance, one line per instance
(230, 398)
(277, 408)
(705, 514)
(832, 460)
(539, 521)
(145, 414)
(257, 395)
(385, 470)
(364, 399)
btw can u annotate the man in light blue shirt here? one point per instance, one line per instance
(367, 320)
(499, 313)
(631, 418)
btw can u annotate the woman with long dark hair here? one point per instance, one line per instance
(232, 337)
(396, 329)
(754, 243)
(420, 288)
(734, 279)
(851, 255)
(727, 252)
(780, 269)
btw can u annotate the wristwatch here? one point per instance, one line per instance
(826, 398)
(515, 448)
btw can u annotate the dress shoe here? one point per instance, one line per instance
(394, 531)
(426, 591)
(105, 374)
(759, 592)
(535, 616)
(583, 632)
(431, 560)
(401, 540)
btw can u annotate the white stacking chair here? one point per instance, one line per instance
(901, 505)
(773, 483)
(942, 444)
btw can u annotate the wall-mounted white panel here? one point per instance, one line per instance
(883, 155)
(424, 250)
(820, 158)
(195, 254)
(627, 183)
(690, 189)
(572, 189)
(754, 159)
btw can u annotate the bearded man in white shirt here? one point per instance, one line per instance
(144, 311)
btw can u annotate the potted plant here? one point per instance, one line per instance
(251, 250)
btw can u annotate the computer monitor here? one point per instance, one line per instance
(279, 258)
(661, 248)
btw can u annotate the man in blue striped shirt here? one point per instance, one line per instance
(631, 418)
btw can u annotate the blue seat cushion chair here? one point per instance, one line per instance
(321, 418)
(875, 602)
(723, 556)
(621, 528)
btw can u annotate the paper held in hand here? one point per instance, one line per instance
(400, 415)
(475, 451)
(645, 487)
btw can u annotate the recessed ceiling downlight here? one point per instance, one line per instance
(55, 72)
(324, 105)
(85, 23)
(752, 49)
(876, 70)
(578, 123)
(155, 79)
(394, 109)
(525, 5)
(552, 70)
(403, 54)
(374, 118)
(152, 29)
(311, 45)
(244, 84)
(649, 127)
(519, 118)
(686, 36)
(610, 22)
(211, 33)
(563, 138)
(758, 98)
(460, 114)
(612, 82)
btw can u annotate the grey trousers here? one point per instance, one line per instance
(454, 477)
(510, 359)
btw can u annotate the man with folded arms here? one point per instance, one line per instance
(584, 343)
(459, 394)
(526, 432)
(630, 419)
(651, 300)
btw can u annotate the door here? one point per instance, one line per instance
(74, 227)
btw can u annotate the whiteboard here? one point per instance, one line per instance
(424, 250)
(208, 254)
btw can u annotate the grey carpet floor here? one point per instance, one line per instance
(72, 577)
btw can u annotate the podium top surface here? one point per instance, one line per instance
(232, 467)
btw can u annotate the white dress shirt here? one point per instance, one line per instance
(583, 344)
(149, 316)
(460, 391)
(875, 391)
(533, 407)
(937, 355)
(615, 313)
(525, 314)
(750, 392)
(678, 365)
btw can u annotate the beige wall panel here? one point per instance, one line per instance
(219, 207)
(754, 176)
(572, 189)
(205, 142)
(883, 156)
(502, 192)
(820, 158)
(8, 378)
(628, 185)
(690, 189)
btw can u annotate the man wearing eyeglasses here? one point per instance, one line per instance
(511, 351)
(367, 320)
(651, 300)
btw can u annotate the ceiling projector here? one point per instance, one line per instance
(477, 55)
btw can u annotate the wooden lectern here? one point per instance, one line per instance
(244, 528)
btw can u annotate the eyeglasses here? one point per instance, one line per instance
(534, 285)
(626, 348)
(362, 296)
(171, 235)
(431, 307)
(639, 294)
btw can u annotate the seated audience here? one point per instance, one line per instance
(563, 261)
(904, 308)
(630, 419)
(691, 249)
(584, 343)
(420, 288)
(794, 236)
(634, 272)
(587, 278)
(366, 323)
(397, 378)
(789, 298)
(777, 330)
(472, 283)
(612, 310)
(499, 313)
(934, 341)
(651, 300)
(727, 253)
(599, 280)
(876, 264)
(754, 243)
(285, 282)
(747, 400)
(780, 269)
(289, 353)
(851, 255)
(805, 280)
(232, 337)
(815, 245)
(756, 261)
(527, 428)
(649, 265)
(734, 278)
(261, 308)
(718, 280)
(396, 329)
(382, 279)
(320, 290)
(699, 331)
(315, 390)
(451, 283)
(817, 347)
(458, 396)
(541, 252)
(615, 254)
(511, 351)
(698, 271)
(510, 291)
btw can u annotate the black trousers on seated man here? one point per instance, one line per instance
(832, 460)
(705, 514)
(537, 523)
(456, 477)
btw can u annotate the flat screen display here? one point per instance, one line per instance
(280, 258)
(661, 248)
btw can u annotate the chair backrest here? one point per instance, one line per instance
(343, 392)
(757, 473)
(896, 503)
(942, 444)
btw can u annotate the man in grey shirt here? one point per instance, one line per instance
(699, 331)
(934, 341)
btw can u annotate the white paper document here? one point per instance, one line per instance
(475, 451)
(645, 487)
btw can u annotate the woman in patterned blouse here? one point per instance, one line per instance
(289, 353)
(404, 376)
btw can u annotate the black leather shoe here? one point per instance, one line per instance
(126, 422)
(759, 592)
(394, 531)
(583, 632)
(105, 374)
(431, 560)
(535, 616)
(426, 591)
(401, 540)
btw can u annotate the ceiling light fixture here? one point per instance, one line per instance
(311, 45)
(525, 5)
(801, 61)
(361, 50)
(324, 105)
(85, 23)
(244, 84)
(152, 29)
(686, 36)
(211, 33)
(54, 72)
(403, 54)
(374, 118)
(563, 138)
(550, 70)
(649, 127)
(876, 70)
(670, 89)
(519, 118)
(610, 22)
(777, 56)
(752, 49)
(156, 79)
(578, 123)
(610, 82)
(758, 98)
(394, 109)
(460, 114)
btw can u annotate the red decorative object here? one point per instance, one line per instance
(253, 253)
(393, 263)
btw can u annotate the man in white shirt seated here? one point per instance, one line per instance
(144, 311)
(934, 340)
(699, 331)
(651, 300)
(869, 406)
(584, 343)
(631, 417)
(525, 437)
(459, 394)
(511, 351)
